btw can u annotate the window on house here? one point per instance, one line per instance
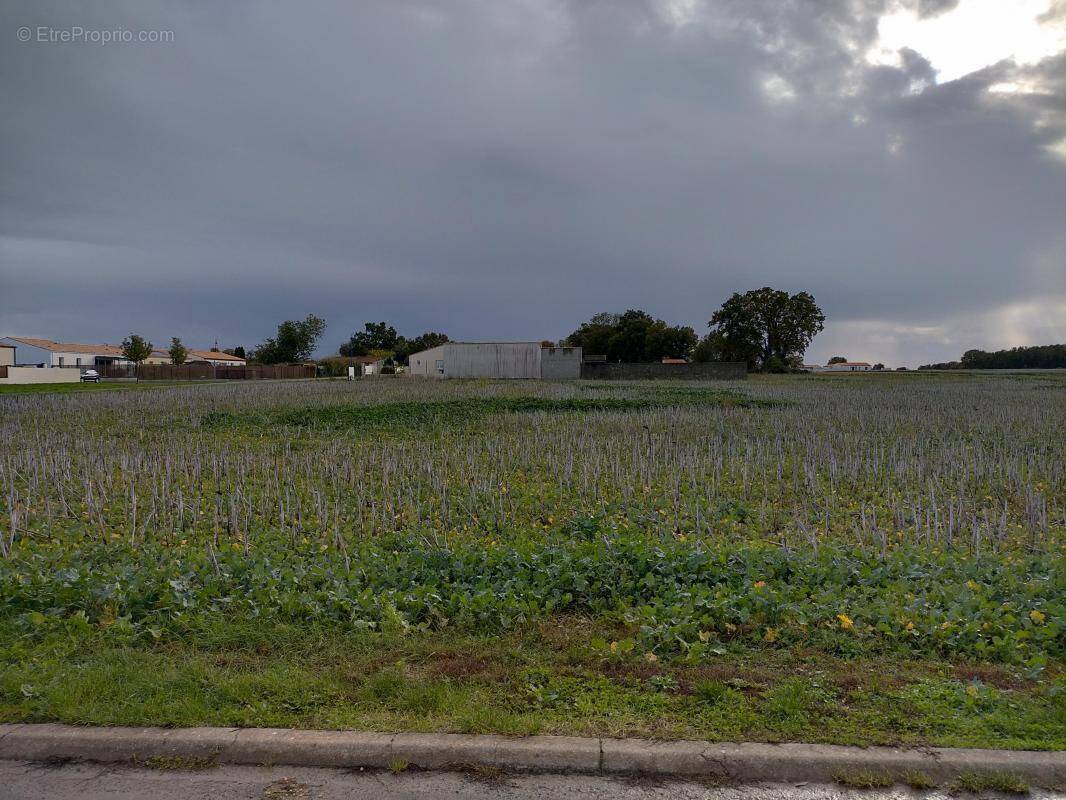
(77, 361)
(61, 361)
(440, 366)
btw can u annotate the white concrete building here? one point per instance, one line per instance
(496, 360)
(7, 355)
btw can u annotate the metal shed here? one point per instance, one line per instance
(496, 360)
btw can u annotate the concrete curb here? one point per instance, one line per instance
(743, 763)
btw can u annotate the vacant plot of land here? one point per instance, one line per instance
(854, 559)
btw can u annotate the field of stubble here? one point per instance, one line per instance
(842, 558)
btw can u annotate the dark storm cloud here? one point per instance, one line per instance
(504, 170)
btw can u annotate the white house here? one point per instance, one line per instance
(7, 355)
(45, 352)
(34, 352)
(847, 366)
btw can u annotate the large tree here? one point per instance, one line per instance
(374, 336)
(380, 338)
(136, 348)
(595, 335)
(768, 328)
(295, 341)
(634, 336)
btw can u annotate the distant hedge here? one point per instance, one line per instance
(1047, 356)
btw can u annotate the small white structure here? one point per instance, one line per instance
(496, 360)
(7, 355)
(10, 375)
(847, 366)
(367, 365)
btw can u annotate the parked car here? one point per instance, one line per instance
(90, 376)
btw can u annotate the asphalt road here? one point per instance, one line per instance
(27, 781)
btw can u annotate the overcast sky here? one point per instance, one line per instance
(503, 170)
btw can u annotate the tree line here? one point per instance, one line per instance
(766, 328)
(137, 349)
(1047, 356)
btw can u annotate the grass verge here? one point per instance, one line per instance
(104, 386)
(541, 678)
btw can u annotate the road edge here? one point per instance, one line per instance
(733, 762)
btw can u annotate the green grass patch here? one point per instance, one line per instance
(444, 412)
(977, 782)
(863, 778)
(539, 678)
(103, 386)
(919, 781)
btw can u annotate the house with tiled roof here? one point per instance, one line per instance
(32, 351)
(847, 366)
(214, 357)
(47, 353)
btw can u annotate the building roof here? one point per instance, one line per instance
(113, 350)
(7, 345)
(69, 347)
(214, 355)
(674, 361)
(850, 364)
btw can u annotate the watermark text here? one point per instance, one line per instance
(76, 34)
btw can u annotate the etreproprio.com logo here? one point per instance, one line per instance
(76, 34)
